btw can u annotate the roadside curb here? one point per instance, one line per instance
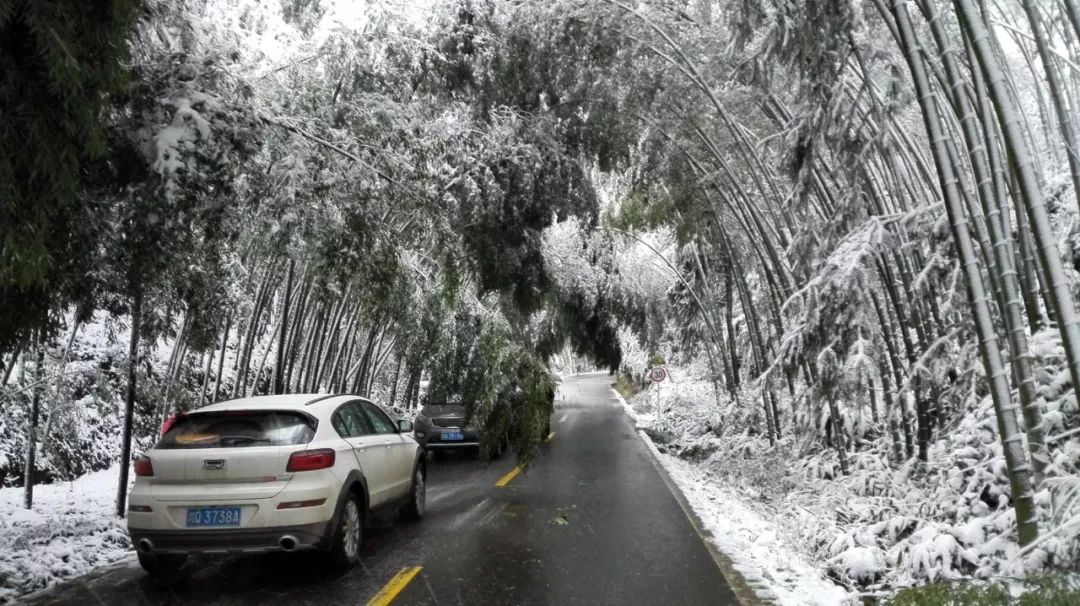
(748, 594)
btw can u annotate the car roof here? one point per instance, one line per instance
(292, 401)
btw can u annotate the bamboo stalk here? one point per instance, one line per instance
(1031, 192)
(1019, 470)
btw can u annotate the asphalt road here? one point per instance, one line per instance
(593, 521)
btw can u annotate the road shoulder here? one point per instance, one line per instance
(723, 522)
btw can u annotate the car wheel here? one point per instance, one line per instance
(414, 510)
(162, 565)
(349, 535)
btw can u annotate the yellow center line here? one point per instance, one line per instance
(394, 587)
(510, 475)
(549, 437)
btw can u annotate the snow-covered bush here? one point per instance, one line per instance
(882, 525)
(79, 426)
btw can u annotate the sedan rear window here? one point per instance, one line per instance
(237, 429)
(440, 410)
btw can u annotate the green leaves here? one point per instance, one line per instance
(59, 61)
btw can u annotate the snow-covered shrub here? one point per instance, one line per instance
(82, 407)
(883, 525)
(932, 553)
(861, 565)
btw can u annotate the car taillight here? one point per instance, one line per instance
(167, 424)
(144, 468)
(310, 460)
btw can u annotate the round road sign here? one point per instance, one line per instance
(657, 374)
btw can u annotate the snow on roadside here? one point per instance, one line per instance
(762, 556)
(776, 570)
(71, 530)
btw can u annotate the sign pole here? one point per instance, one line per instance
(657, 374)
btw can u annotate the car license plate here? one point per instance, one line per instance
(453, 435)
(213, 516)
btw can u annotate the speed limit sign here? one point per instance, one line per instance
(657, 374)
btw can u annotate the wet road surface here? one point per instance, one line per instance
(591, 522)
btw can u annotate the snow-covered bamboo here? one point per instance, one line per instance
(1008, 426)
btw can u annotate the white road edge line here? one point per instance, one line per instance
(744, 591)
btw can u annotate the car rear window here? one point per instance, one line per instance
(439, 410)
(237, 429)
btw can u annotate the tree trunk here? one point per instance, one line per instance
(394, 383)
(31, 433)
(872, 391)
(733, 351)
(1009, 299)
(1019, 470)
(221, 360)
(380, 359)
(775, 412)
(1073, 15)
(909, 346)
(176, 357)
(318, 324)
(339, 372)
(56, 397)
(261, 302)
(1057, 94)
(303, 311)
(206, 377)
(1040, 101)
(11, 364)
(279, 365)
(331, 339)
(365, 359)
(278, 328)
(129, 403)
(1024, 255)
(1031, 192)
(838, 434)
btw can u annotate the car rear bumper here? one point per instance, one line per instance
(230, 540)
(449, 445)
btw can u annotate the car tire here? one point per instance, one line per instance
(414, 509)
(162, 566)
(349, 535)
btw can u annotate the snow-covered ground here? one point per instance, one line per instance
(749, 534)
(71, 530)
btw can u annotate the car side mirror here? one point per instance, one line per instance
(405, 426)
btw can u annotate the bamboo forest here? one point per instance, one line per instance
(825, 252)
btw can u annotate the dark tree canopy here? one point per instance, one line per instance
(59, 61)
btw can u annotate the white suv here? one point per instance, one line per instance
(272, 473)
